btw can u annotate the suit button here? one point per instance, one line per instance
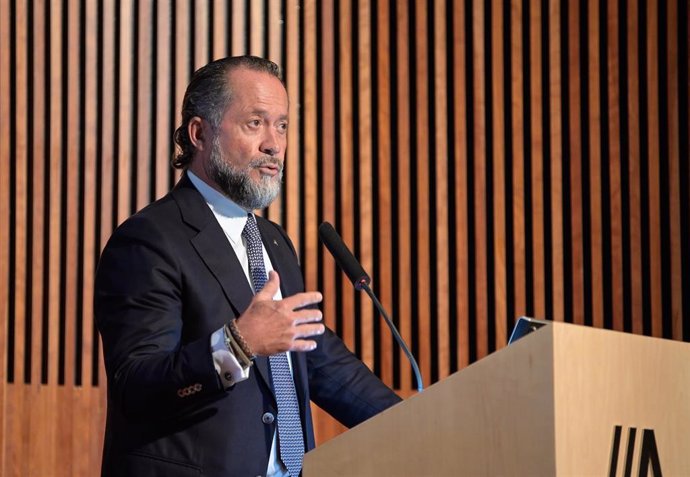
(268, 418)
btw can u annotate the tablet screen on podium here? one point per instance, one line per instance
(524, 326)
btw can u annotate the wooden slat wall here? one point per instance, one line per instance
(484, 160)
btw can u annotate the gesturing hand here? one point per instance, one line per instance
(273, 326)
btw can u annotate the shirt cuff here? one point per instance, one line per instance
(227, 366)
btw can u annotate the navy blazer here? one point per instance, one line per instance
(167, 279)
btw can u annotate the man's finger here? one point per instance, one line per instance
(300, 300)
(307, 316)
(306, 331)
(303, 345)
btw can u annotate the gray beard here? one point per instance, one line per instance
(238, 185)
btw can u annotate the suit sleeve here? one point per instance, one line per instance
(343, 386)
(139, 313)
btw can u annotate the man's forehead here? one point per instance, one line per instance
(257, 92)
(243, 76)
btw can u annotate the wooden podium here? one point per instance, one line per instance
(564, 400)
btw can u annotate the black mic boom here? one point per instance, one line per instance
(352, 268)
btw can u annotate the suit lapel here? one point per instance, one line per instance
(217, 254)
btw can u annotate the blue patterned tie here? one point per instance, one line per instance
(290, 438)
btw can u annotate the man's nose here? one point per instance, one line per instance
(270, 144)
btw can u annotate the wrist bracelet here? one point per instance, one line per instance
(233, 346)
(239, 339)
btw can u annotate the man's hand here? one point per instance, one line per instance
(273, 326)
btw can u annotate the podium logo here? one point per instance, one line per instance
(648, 454)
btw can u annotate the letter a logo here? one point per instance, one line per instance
(649, 453)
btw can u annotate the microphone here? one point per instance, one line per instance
(343, 257)
(353, 269)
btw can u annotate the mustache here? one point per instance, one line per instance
(267, 161)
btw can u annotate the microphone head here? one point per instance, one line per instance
(342, 255)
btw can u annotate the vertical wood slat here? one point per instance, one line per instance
(636, 272)
(18, 417)
(498, 164)
(38, 114)
(363, 125)
(404, 181)
(309, 208)
(93, 397)
(461, 196)
(441, 267)
(21, 192)
(238, 26)
(536, 140)
(125, 110)
(71, 214)
(108, 115)
(420, 232)
(654, 174)
(346, 201)
(594, 151)
(615, 189)
(200, 54)
(575, 150)
(384, 225)
(674, 172)
(56, 191)
(519, 276)
(557, 164)
(256, 30)
(40, 407)
(66, 402)
(293, 168)
(327, 154)
(480, 179)
(219, 44)
(5, 97)
(143, 106)
(275, 25)
(162, 99)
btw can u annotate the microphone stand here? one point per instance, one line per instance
(418, 376)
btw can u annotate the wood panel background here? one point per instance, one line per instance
(484, 160)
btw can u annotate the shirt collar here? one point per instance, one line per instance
(231, 217)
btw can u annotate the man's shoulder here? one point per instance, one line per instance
(179, 205)
(156, 213)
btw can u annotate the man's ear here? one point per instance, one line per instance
(197, 129)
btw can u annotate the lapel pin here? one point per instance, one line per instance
(275, 242)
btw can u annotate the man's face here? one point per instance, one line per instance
(246, 157)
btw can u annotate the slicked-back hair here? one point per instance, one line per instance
(208, 95)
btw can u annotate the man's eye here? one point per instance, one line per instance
(255, 123)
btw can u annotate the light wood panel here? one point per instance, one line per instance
(483, 160)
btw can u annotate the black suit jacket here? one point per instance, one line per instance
(167, 279)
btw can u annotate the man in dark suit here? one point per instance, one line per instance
(213, 349)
